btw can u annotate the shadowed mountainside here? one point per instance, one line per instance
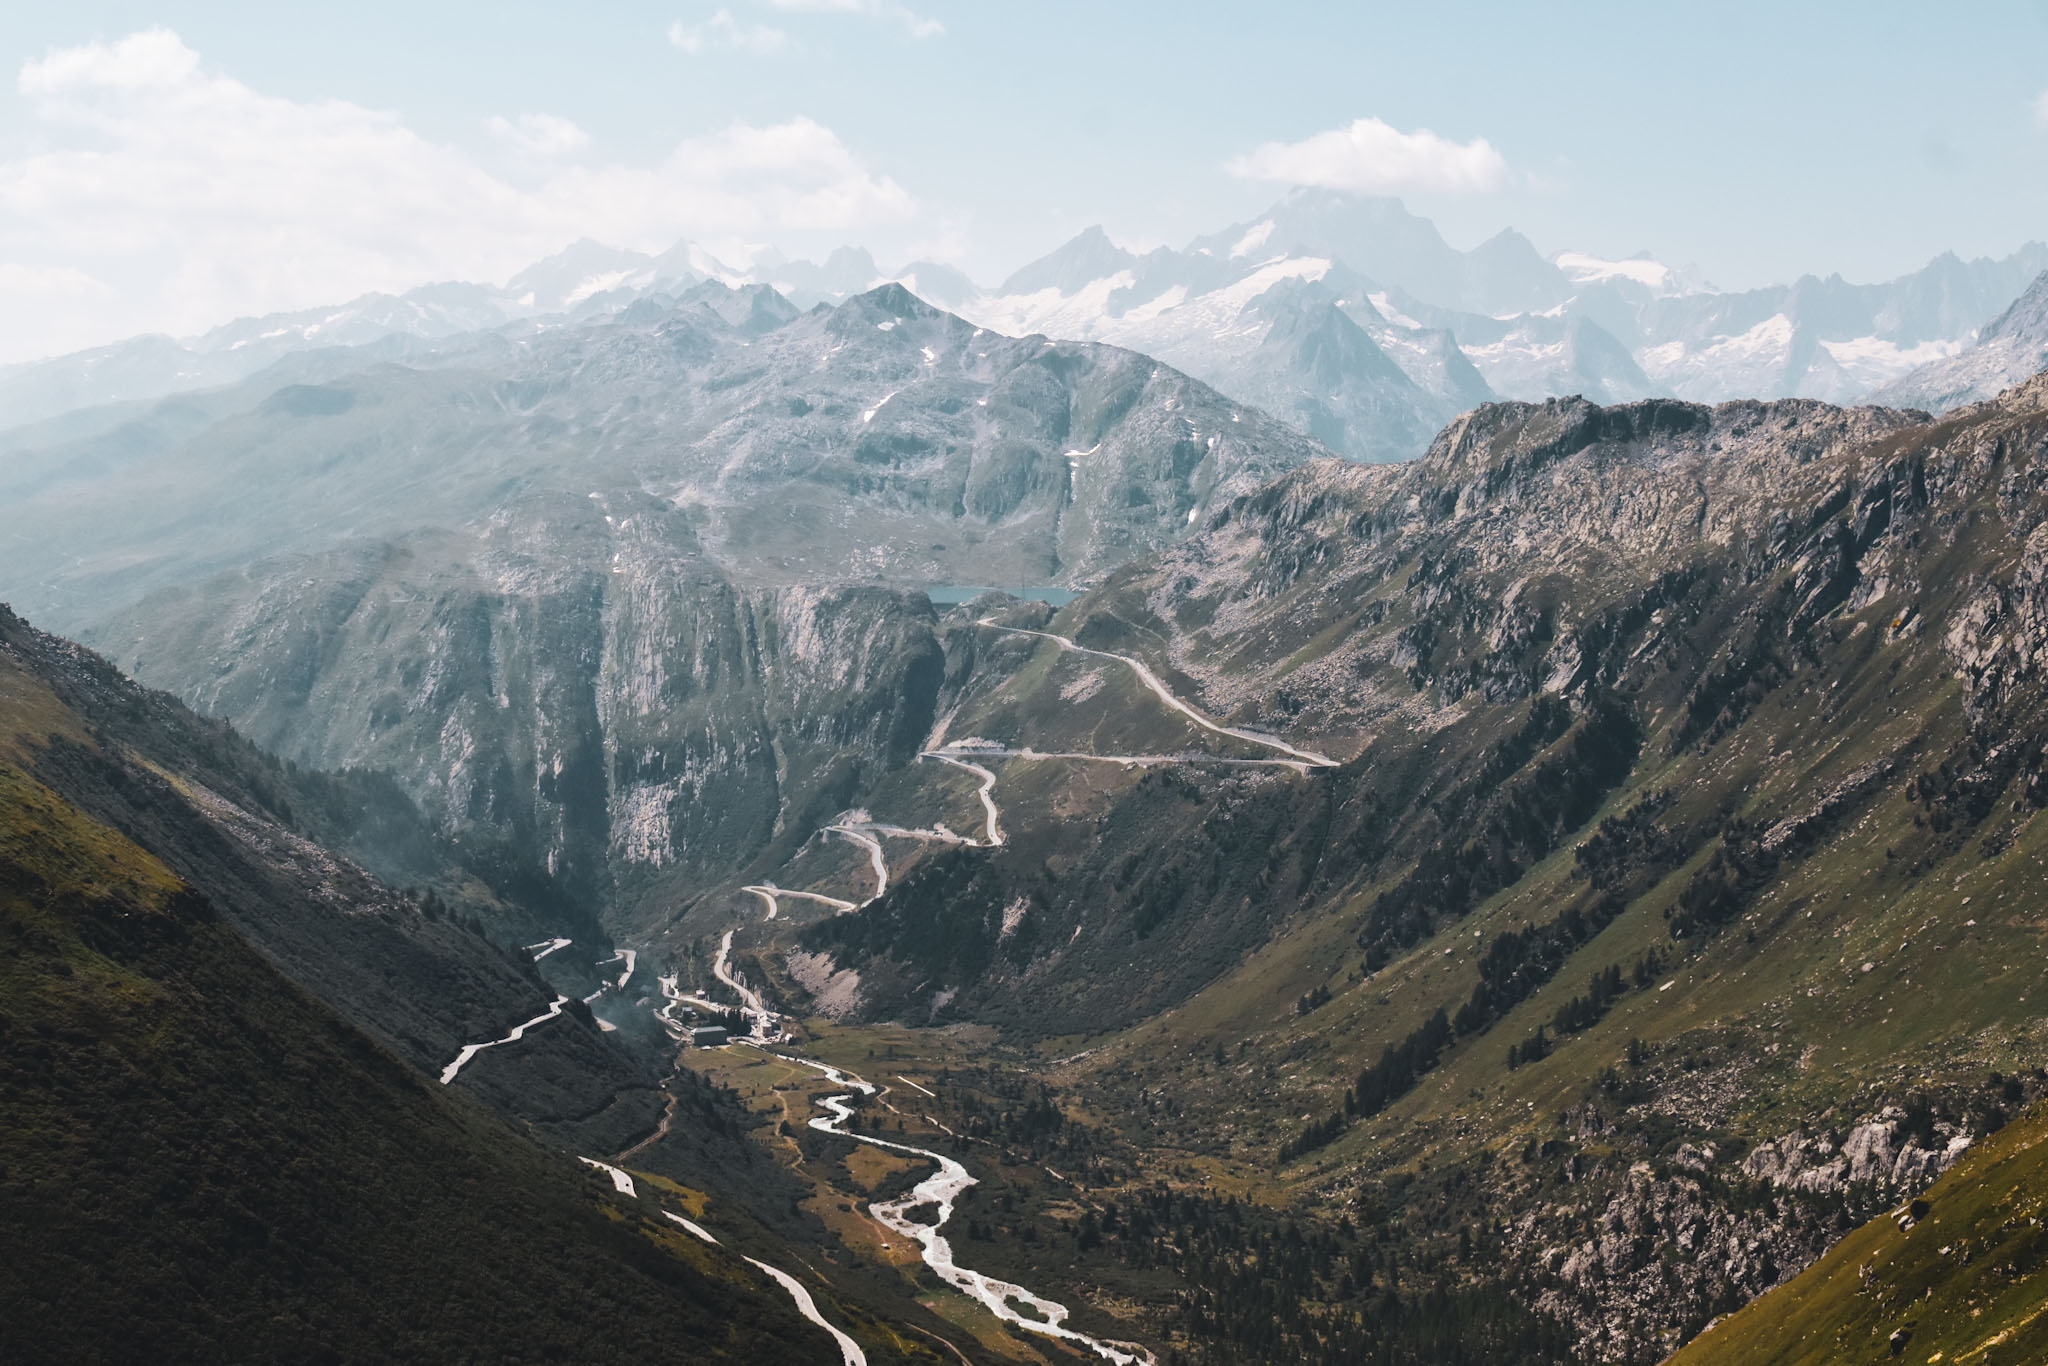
(216, 1166)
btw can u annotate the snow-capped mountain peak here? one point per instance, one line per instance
(1584, 268)
(1248, 309)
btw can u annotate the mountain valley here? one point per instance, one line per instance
(1297, 823)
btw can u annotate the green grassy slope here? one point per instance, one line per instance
(1958, 1275)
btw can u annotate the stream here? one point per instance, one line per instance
(941, 1190)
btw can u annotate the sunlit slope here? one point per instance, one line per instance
(1958, 1275)
(1681, 901)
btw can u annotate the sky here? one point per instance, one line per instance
(169, 166)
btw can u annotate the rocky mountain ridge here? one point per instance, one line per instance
(879, 440)
(1669, 915)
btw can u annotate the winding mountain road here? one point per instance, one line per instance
(858, 834)
(723, 970)
(856, 827)
(470, 1050)
(769, 892)
(952, 752)
(1166, 695)
(1008, 1302)
(987, 793)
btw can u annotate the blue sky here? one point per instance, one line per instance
(173, 184)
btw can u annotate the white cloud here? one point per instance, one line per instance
(49, 283)
(916, 25)
(721, 30)
(743, 178)
(163, 197)
(1373, 157)
(539, 135)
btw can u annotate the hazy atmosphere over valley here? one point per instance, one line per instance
(861, 682)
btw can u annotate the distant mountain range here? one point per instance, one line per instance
(2011, 348)
(1434, 330)
(876, 440)
(1348, 317)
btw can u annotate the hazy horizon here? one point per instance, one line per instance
(169, 167)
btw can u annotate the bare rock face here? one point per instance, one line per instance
(1875, 1154)
(2000, 639)
(614, 729)
(1661, 1250)
(1664, 1244)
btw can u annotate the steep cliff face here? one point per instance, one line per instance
(583, 698)
(741, 721)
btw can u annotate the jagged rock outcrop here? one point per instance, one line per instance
(1999, 641)
(1875, 1153)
